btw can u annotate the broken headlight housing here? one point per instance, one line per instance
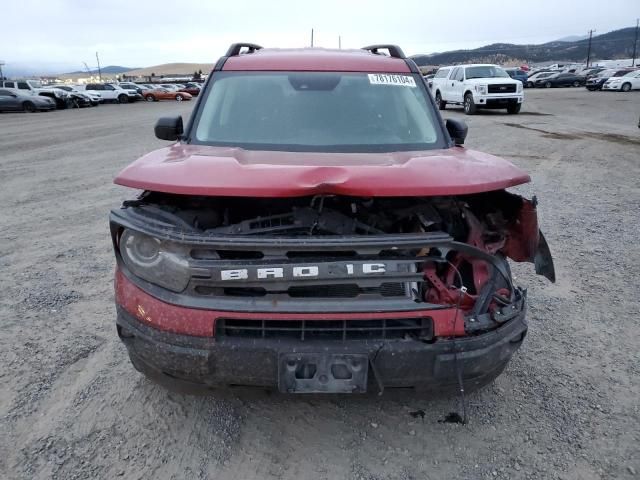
(162, 263)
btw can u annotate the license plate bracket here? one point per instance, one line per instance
(323, 372)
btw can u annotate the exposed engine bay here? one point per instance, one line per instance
(446, 251)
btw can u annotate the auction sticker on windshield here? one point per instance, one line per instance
(389, 79)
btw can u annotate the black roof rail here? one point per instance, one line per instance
(394, 50)
(235, 48)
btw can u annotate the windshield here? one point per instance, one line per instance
(35, 83)
(318, 111)
(488, 71)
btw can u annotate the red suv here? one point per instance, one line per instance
(317, 227)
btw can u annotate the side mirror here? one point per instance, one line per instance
(169, 128)
(457, 130)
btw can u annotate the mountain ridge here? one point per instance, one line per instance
(612, 45)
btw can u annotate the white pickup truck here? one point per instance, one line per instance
(477, 86)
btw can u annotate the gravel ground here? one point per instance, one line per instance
(568, 407)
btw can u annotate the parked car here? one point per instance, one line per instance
(164, 94)
(169, 86)
(12, 99)
(518, 74)
(35, 87)
(477, 86)
(531, 80)
(112, 93)
(94, 97)
(561, 80)
(429, 80)
(626, 83)
(191, 88)
(132, 86)
(318, 228)
(77, 99)
(597, 82)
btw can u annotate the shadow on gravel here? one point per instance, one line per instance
(607, 137)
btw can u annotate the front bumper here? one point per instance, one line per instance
(612, 86)
(497, 101)
(233, 361)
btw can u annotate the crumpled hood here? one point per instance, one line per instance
(225, 171)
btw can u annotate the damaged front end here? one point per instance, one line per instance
(335, 273)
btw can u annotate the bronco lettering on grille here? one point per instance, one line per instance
(301, 271)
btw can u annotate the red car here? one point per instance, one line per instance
(317, 227)
(158, 94)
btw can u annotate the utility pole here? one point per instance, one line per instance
(589, 48)
(1, 64)
(99, 71)
(339, 42)
(312, 38)
(635, 42)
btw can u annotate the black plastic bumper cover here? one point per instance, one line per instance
(254, 362)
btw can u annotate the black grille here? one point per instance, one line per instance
(304, 330)
(508, 88)
(389, 289)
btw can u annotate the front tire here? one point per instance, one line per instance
(625, 87)
(441, 104)
(179, 98)
(530, 85)
(514, 108)
(123, 98)
(150, 98)
(576, 84)
(547, 85)
(29, 107)
(469, 105)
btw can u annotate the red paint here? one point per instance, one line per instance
(225, 171)
(524, 234)
(201, 323)
(316, 60)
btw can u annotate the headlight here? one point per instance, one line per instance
(481, 89)
(162, 263)
(519, 88)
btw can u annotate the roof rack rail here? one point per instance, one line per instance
(235, 48)
(394, 50)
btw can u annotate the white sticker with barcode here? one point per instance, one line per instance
(391, 79)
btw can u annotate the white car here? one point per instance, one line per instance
(477, 86)
(95, 97)
(111, 92)
(630, 81)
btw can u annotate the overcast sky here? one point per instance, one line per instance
(58, 35)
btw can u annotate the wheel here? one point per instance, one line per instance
(29, 107)
(625, 87)
(122, 98)
(179, 98)
(150, 98)
(530, 85)
(469, 104)
(547, 85)
(513, 108)
(576, 83)
(441, 104)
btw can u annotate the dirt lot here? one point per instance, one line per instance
(568, 406)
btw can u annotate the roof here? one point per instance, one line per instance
(316, 59)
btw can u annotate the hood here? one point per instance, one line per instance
(224, 171)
